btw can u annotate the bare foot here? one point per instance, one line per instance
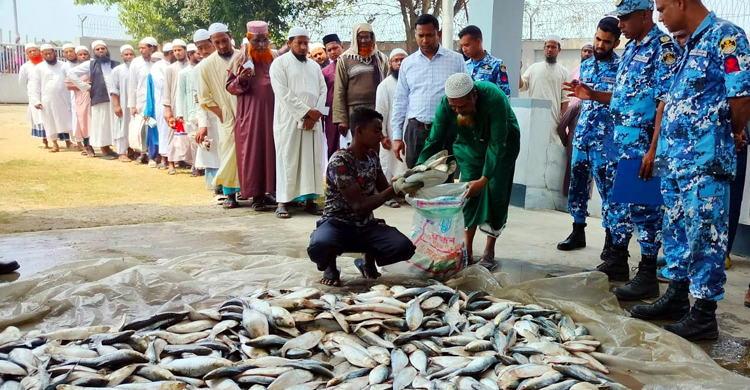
(331, 277)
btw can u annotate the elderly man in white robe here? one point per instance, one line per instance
(300, 97)
(178, 144)
(51, 97)
(99, 71)
(137, 92)
(119, 95)
(383, 103)
(213, 96)
(207, 136)
(24, 78)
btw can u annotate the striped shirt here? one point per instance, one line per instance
(421, 86)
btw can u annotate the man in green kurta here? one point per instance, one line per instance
(479, 117)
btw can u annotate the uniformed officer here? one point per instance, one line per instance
(481, 65)
(708, 107)
(637, 103)
(593, 139)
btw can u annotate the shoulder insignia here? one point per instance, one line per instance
(617, 3)
(665, 39)
(503, 68)
(728, 45)
(669, 57)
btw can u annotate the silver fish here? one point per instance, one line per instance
(414, 315)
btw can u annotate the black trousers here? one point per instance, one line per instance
(415, 136)
(332, 238)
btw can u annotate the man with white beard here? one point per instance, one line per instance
(99, 71)
(50, 96)
(119, 94)
(383, 102)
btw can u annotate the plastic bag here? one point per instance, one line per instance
(437, 232)
(134, 132)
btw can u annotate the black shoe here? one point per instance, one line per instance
(576, 239)
(698, 324)
(8, 266)
(607, 244)
(674, 304)
(643, 285)
(616, 264)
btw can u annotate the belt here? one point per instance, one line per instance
(417, 123)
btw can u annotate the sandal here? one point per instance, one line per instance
(487, 262)
(393, 204)
(109, 157)
(161, 166)
(230, 203)
(259, 206)
(171, 171)
(282, 212)
(365, 270)
(124, 158)
(331, 279)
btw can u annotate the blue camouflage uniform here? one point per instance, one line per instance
(696, 156)
(489, 69)
(644, 78)
(593, 142)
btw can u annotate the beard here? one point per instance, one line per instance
(394, 73)
(603, 56)
(366, 51)
(465, 120)
(550, 60)
(102, 59)
(300, 57)
(260, 57)
(37, 59)
(228, 54)
(52, 61)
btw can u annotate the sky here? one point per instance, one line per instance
(49, 19)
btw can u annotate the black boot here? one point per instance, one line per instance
(615, 265)
(576, 239)
(607, 244)
(674, 304)
(8, 266)
(643, 285)
(699, 324)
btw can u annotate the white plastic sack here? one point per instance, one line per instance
(134, 132)
(437, 232)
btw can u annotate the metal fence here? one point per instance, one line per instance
(12, 56)
(102, 26)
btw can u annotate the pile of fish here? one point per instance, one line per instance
(387, 338)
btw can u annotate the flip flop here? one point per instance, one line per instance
(162, 166)
(392, 204)
(172, 171)
(109, 157)
(360, 264)
(282, 213)
(229, 204)
(485, 262)
(84, 153)
(334, 278)
(259, 206)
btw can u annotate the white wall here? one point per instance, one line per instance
(10, 91)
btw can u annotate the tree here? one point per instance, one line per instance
(169, 19)
(411, 9)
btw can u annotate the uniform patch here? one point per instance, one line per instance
(486, 66)
(669, 57)
(617, 3)
(665, 40)
(731, 64)
(728, 45)
(502, 68)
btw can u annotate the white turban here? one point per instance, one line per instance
(192, 47)
(201, 35)
(297, 32)
(157, 56)
(179, 42)
(30, 46)
(68, 46)
(46, 46)
(554, 38)
(587, 44)
(125, 47)
(97, 43)
(396, 52)
(82, 48)
(216, 28)
(317, 45)
(167, 46)
(149, 41)
(458, 85)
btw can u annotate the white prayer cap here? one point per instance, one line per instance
(126, 47)
(554, 38)
(179, 42)
(201, 35)
(317, 45)
(396, 52)
(82, 48)
(458, 85)
(157, 56)
(46, 46)
(192, 47)
(587, 44)
(68, 46)
(216, 28)
(31, 45)
(149, 41)
(167, 46)
(297, 32)
(97, 43)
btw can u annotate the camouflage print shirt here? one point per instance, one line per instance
(344, 170)
(595, 122)
(644, 78)
(696, 135)
(489, 69)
